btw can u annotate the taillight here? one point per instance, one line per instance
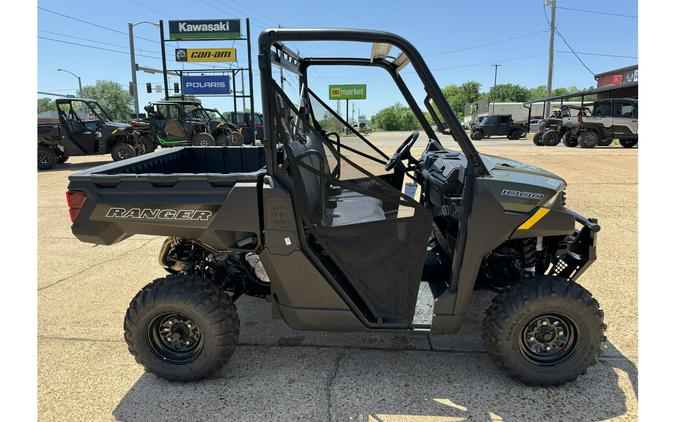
(76, 199)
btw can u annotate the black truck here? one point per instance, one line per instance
(84, 128)
(498, 125)
(321, 228)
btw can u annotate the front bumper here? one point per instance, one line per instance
(577, 251)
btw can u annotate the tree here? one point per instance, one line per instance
(509, 93)
(396, 117)
(112, 97)
(45, 104)
(458, 96)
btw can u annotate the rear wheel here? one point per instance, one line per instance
(628, 143)
(236, 139)
(544, 331)
(588, 139)
(537, 139)
(46, 158)
(477, 135)
(62, 158)
(182, 328)
(203, 140)
(569, 140)
(516, 134)
(122, 151)
(551, 138)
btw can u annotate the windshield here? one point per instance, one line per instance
(93, 111)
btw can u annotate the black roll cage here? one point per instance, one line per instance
(273, 51)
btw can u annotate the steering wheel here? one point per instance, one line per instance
(402, 152)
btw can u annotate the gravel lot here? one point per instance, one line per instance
(86, 373)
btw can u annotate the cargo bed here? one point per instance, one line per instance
(185, 191)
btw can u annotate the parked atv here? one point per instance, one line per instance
(169, 124)
(498, 125)
(561, 126)
(615, 118)
(223, 131)
(329, 239)
(83, 128)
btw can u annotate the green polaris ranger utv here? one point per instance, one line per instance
(318, 225)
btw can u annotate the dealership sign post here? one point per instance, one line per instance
(212, 81)
(347, 92)
(206, 85)
(213, 29)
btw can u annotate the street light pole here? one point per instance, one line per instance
(79, 80)
(134, 66)
(132, 54)
(493, 87)
(551, 45)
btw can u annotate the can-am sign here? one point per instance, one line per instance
(206, 55)
(214, 29)
(206, 85)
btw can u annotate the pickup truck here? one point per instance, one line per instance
(498, 125)
(84, 128)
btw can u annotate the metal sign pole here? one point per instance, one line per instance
(250, 78)
(166, 77)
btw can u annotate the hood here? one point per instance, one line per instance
(519, 186)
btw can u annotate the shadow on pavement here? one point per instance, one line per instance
(76, 166)
(280, 374)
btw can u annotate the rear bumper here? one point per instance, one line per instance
(577, 251)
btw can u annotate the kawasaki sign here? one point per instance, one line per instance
(215, 29)
(206, 85)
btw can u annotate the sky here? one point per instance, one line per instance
(459, 40)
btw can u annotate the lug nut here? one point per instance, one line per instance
(189, 325)
(169, 338)
(187, 342)
(544, 323)
(531, 338)
(555, 322)
(170, 322)
(560, 333)
(548, 347)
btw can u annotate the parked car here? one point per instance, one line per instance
(242, 121)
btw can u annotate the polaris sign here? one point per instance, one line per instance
(214, 29)
(206, 85)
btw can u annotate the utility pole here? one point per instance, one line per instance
(551, 44)
(132, 54)
(496, 66)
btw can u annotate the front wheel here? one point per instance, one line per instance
(588, 139)
(46, 158)
(182, 328)
(477, 135)
(537, 139)
(122, 151)
(551, 138)
(628, 143)
(203, 140)
(569, 140)
(544, 331)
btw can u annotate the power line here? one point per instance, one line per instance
(139, 4)
(95, 24)
(598, 12)
(566, 43)
(599, 54)
(88, 40)
(486, 44)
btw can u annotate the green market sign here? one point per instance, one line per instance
(347, 92)
(214, 29)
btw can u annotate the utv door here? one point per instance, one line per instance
(79, 139)
(370, 237)
(489, 125)
(174, 128)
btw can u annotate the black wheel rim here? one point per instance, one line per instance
(174, 338)
(549, 339)
(43, 158)
(123, 154)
